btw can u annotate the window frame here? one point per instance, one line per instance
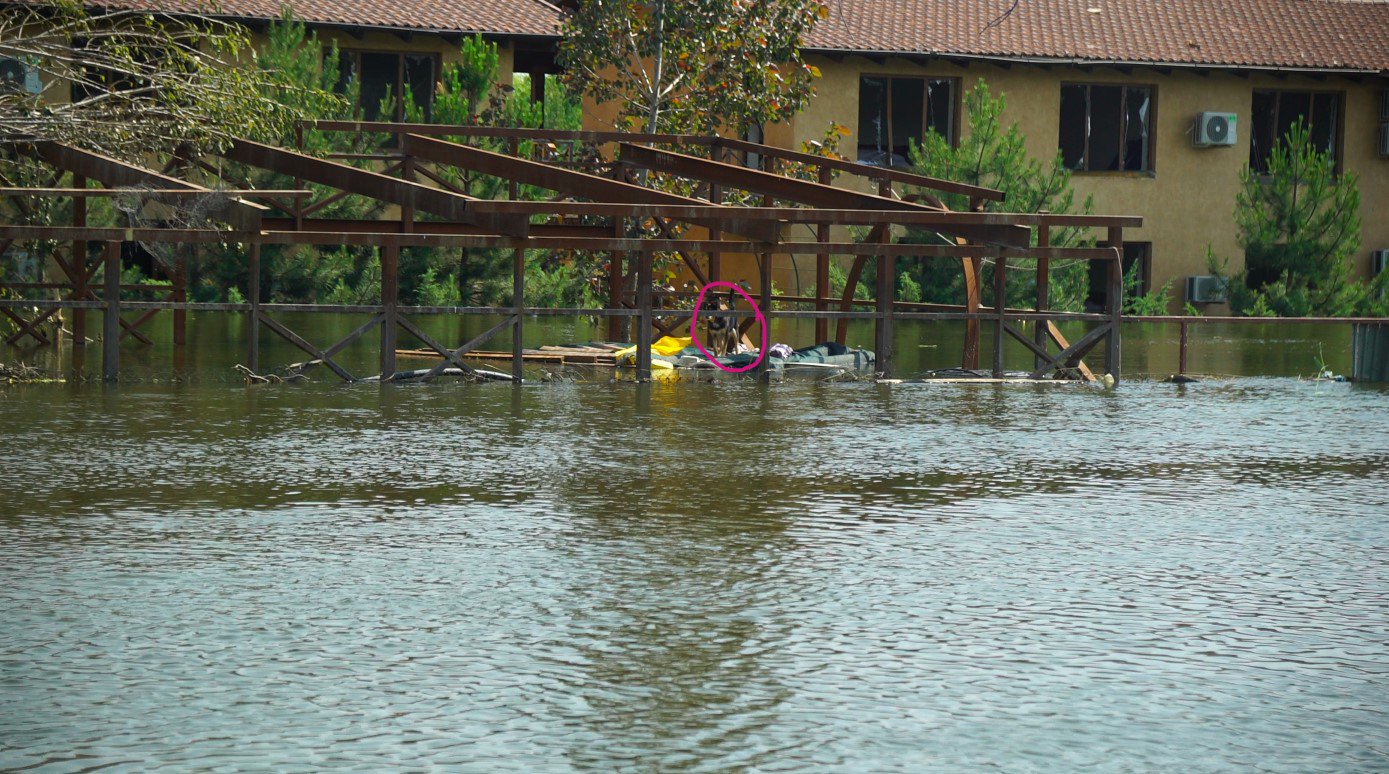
(1098, 297)
(354, 55)
(1151, 170)
(1339, 136)
(888, 78)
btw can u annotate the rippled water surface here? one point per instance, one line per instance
(697, 576)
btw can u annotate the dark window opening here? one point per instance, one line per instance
(1136, 254)
(1274, 113)
(383, 75)
(1106, 128)
(894, 113)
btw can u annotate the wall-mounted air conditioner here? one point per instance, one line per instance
(1205, 289)
(1379, 261)
(1214, 130)
(18, 75)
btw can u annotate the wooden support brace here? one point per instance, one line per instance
(1039, 350)
(326, 356)
(1074, 352)
(452, 356)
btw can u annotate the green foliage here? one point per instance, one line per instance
(1154, 302)
(432, 292)
(552, 283)
(476, 73)
(693, 66)
(907, 288)
(993, 156)
(1299, 225)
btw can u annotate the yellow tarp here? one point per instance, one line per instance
(666, 345)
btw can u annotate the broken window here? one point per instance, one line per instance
(1275, 112)
(895, 112)
(1106, 128)
(1138, 269)
(383, 75)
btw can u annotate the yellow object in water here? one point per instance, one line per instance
(666, 345)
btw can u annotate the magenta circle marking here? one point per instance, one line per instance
(757, 315)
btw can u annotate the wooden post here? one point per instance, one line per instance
(1043, 291)
(973, 268)
(886, 295)
(883, 325)
(518, 296)
(1000, 307)
(390, 287)
(111, 315)
(644, 319)
(180, 294)
(617, 326)
(715, 257)
(253, 318)
(1181, 352)
(822, 270)
(79, 264)
(764, 301)
(1113, 351)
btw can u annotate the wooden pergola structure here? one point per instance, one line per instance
(601, 202)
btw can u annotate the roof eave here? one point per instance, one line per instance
(1088, 62)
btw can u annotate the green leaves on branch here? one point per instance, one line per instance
(692, 66)
(144, 82)
(1299, 225)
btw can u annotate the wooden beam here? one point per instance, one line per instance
(802, 191)
(238, 213)
(371, 184)
(570, 182)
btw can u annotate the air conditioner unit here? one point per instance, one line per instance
(18, 75)
(1214, 129)
(1205, 289)
(1384, 139)
(1379, 261)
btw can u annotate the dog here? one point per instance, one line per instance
(722, 331)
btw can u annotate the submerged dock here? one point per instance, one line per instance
(601, 203)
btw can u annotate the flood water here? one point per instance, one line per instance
(584, 575)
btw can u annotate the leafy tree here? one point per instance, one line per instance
(993, 156)
(469, 95)
(142, 81)
(1299, 225)
(692, 66)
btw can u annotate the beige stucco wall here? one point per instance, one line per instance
(1188, 199)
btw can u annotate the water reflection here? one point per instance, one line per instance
(709, 576)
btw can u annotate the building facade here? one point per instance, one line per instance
(1127, 90)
